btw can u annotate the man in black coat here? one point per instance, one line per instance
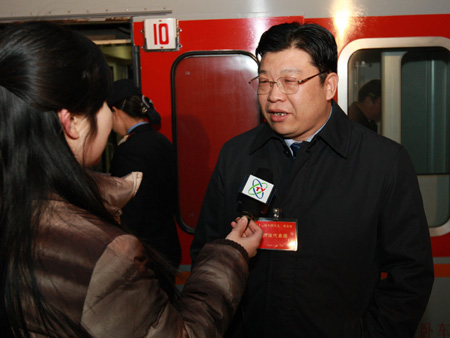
(363, 264)
(367, 110)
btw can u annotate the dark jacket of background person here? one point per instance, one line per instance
(150, 215)
(106, 284)
(367, 110)
(359, 210)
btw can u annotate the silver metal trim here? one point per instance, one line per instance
(352, 47)
(374, 43)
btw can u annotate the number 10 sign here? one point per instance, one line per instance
(160, 34)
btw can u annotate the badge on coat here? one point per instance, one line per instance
(279, 234)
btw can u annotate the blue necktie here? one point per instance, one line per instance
(295, 148)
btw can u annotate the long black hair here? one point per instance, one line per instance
(44, 68)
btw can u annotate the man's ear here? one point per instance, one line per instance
(68, 121)
(331, 84)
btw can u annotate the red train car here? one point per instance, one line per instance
(210, 102)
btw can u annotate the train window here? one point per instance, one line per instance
(211, 103)
(412, 75)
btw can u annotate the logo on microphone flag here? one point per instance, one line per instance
(258, 189)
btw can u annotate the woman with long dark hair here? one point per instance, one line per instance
(67, 267)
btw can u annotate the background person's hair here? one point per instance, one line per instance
(128, 98)
(315, 40)
(140, 107)
(371, 89)
(43, 68)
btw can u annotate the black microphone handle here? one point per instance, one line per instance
(251, 207)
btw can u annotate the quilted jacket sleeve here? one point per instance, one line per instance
(124, 298)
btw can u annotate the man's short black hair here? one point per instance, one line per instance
(371, 89)
(315, 40)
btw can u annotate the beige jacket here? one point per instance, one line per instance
(99, 277)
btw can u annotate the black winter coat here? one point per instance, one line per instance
(150, 215)
(359, 209)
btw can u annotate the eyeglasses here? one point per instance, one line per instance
(287, 85)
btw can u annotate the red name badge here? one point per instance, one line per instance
(278, 234)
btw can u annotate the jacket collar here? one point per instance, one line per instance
(116, 192)
(263, 134)
(336, 133)
(135, 130)
(139, 127)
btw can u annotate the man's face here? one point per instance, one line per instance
(374, 109)
(297, 116)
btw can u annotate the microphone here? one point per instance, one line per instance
(255, 193)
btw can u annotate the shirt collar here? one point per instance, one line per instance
(336, 133)
(289, 141)
(135, 126)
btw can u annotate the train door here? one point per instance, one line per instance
(211, 102)
(415, 92)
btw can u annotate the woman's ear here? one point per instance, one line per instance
(117, 113)
(69, 123)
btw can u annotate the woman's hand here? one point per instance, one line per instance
(247, 234)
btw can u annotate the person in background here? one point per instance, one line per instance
(367, 111)
(68, 269)
(353, 194)
(150, 215)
